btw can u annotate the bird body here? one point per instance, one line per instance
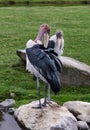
(44, 31)
(57, 43)
(30, 43)
(43, 61)
(44, 66)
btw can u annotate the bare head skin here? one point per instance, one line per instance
(59, 35)
(44, 34)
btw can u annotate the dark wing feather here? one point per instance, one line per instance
(50, 51)
(51, 44)
(54, 57)
(57, 62)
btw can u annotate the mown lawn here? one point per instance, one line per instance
(43, 2)
(18, 24)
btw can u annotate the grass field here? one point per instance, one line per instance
(43, 2)
(18, 24)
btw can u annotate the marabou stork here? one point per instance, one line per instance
(55, 48)
(43, 63)
(57, 43)
(42, 38)
(44, 67)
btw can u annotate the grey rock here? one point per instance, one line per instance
(56, 128)
(67, 123)
(80, 109)
(74, 72)
(22, 54)
(8, 122)
(46, 118)
(11, 111)
(8, 103)
(82, 125)
(84, 117)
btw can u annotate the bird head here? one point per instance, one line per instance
(44, 28)
(44, 34)
(59, 36)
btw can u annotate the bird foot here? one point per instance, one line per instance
(39, 106)
(46, 102)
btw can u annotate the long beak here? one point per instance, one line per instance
(59, 43)
(45, 39)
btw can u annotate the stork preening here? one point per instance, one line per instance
(57, 43)
(43, 62)
(42, 38)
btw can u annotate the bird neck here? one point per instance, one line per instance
(45, 39)
(40, 35)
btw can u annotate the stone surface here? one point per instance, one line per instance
(46, 118)
(84, 117)
(80, 109)
(74, 72)
(8, 103)
(82, 125)
(8, 122)
(66, 123)
(22, 54)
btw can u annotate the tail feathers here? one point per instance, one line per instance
(55, 83)
(57, 62)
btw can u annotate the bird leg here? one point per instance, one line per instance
(39, 105)
(47, 100)
(38, 86)
(49, 93)
(45, 95)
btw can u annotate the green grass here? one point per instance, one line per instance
(18, 24)
(4, 1)
(43, 2)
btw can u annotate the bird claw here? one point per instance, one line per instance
(46, 102)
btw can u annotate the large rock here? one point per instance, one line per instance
(80, 109)
(46, 118)
(74, 72)
(21, 54)
(82, 125)
(8, 122)
(7, 103)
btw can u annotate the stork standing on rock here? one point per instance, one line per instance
(42, 37)
(55, 48)
(43, 64)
